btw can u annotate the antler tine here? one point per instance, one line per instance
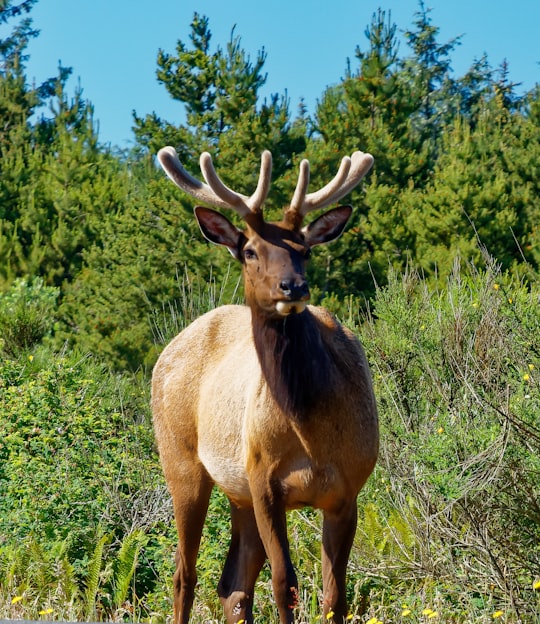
(234, 200)
(323, 197)
(361, 163)
(215, 192)
(350, 172)
(175, 171)
(237, 200)
(301, 187)
(258, 198)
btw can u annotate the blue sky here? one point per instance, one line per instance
(112, 44)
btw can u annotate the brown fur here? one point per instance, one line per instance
(299, 371)
(273, 403)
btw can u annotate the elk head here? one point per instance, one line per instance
(273, 254)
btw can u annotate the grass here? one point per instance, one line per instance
(449, 524)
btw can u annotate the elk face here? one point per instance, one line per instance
(273, 255)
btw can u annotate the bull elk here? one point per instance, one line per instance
(271, 401)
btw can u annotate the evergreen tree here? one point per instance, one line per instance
(134, 271)
(432, 136)
(215, 88)
(372, 107)
(157, 230)
(428, 72)
(370, 110)
(56, 183)
(18, 102)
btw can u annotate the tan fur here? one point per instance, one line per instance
(231, 417)
(211, 405)
(272, 402)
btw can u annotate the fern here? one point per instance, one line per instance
(125, 565)
(93, 577)
(67, 580)
(373, 529)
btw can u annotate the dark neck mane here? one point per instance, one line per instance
(294, 362)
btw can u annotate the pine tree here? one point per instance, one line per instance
(18, 102)
(57, 183)
(429, 74)
(215, 88)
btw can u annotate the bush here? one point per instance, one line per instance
(77, 469)
(27, 315)
(451, 516)
(76, 442)
(448, 524)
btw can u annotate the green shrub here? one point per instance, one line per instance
(448, 524)
(27, 314)
(75, 443)
(451, 515)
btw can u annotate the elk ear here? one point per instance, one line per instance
(327, 227)
(218, 229)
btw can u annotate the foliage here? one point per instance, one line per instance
(45, 582)
(101, 263)
(27, 315)
(456, 164)
(135, 272)
(62, 415)
(454, 505)
(449, 521)
(56, 182)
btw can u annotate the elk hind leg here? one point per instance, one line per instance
(191, 494)
(244, 561)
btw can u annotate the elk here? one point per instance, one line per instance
(271, 401)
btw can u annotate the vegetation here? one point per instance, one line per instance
(101, 264)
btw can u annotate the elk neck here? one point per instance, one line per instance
(295, 364)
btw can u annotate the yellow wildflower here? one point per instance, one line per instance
(330, 615)
(16, 599)
(496, 286)
(46, 611)
(497, 614)
(536, 584)
(531, 367)
(429, 613)
(406, 612)
(526, 377)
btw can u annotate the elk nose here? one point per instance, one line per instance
(295, 290)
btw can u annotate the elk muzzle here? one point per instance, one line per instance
(294, 295)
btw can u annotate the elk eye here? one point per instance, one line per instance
(249, 254)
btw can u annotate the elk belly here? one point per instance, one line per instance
(226, 471)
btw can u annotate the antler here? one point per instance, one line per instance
(350, 172)
(215, 192)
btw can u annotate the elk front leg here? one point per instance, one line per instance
(244, 562)
(191, 493)
(339, 528)
(271, 519)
